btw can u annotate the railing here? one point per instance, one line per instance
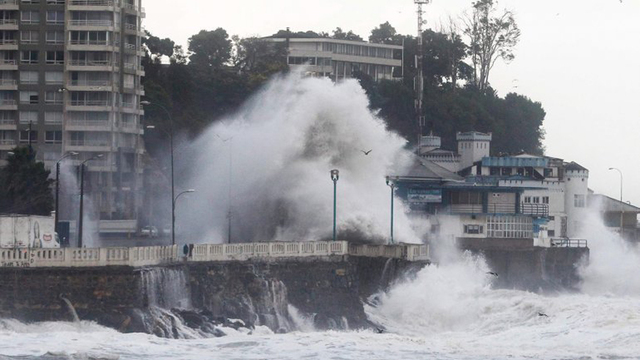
(8, 82)
(89, 103)
(129, 46)
(90, 42)
(91, 22)
(90, 83)
(8, 2)
(93, 2)
(157, 255)
(8, 22)
(8, 42)
(534, 209)
(7, 142)
(93, 123)
(569, 243)
(7, 122)
(9, 102)
(90, 63)
(131, 26)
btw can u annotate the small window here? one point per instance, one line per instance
(30, 17)
(545, 199)
(53, 137)
(28, 77)
(536, 199)
(53, 98)
(29, 37)
(54, 77)
(53, 117)
(28, 117)
(55, 17)
(551, 233)
(29, 57)
(29, 97)
(579, 201)
(54, 37)
(55, 57)
(527, 199)
(26, 134)
(473, 229)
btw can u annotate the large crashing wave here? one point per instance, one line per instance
(268, 167)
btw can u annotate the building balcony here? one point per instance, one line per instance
(91, 65)
(8, 84)
(92, 45)
(91, 25)
(8, 24)
(9, 5)
(88, 125)
(90, 85)
(9, 44)
(88, 145)
(8, 124)
(89, 105)
(8, 64)
(8, 104)
(93, 5)
(7, 144)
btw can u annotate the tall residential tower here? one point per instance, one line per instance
(70, 74)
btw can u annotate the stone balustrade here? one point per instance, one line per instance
(166, 255)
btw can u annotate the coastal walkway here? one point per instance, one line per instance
(168, 255)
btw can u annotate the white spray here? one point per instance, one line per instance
(268, 167)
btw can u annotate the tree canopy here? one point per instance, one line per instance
(25, 187)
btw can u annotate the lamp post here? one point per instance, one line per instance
(82, 196)
(173, 215)
(392, 185)
(621, 203)
(335, 174)
(173, 197)
(71, 153)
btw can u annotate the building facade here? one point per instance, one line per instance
(340, 59)
(70, 81)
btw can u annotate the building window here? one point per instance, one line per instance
(31, 1)
(55, 17)
(579, 201)
(506, 171)
(29, 57)
(536, 199)
(54, 77)
(55, 2)
(53, 97)
(28, 117)
(29, 37)
(28, 77)
(545, 199)
(53, 137)
(29, 97)
(551, 233)
(55, 57)
(53, 117)
(30, 17)
(473, 229)
(54, 37)
(527, 199)
(24, 136)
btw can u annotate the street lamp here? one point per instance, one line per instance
(621, 203)
(173, 197)
(392, 185)
(334, 177)
(71, 153)
(82, 195)
(173, 215)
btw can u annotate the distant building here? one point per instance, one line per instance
(70, 80)
(534, 199)
(340, 59)
(612, 210)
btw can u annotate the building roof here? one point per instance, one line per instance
(441, 152)
(574, 166)
(609, 204)
(330, 40)
(425, 169)
(473, 135)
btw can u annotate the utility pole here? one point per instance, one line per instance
(418, 81)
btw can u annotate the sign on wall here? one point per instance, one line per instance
(424, 196)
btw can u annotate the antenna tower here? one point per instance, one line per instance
(418, 81)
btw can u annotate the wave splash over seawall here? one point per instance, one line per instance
(264, 172)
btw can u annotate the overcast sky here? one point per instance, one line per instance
(579, 58)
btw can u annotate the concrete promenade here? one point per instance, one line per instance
(168, 255)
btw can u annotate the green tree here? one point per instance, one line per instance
(338, 34)
(210, 49)
(25, 187)
(385, 34)
(491, 36)
(259, 58)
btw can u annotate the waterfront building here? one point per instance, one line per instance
(340, 59)
(70, 74)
